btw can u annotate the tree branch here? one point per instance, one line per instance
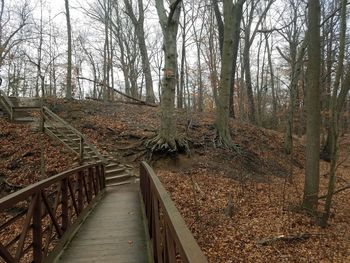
(335, 192)
(173, 7)
(119, 92)
(161, 14)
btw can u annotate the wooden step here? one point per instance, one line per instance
(119, 179)
(113, 166)
(87, 149)
(91, 160)
(115, 172)
(63, 134)
(131, 181)
(73, 139)
(60, 133)
(24, 119)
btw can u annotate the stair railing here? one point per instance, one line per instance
(54, 120)
(7, 103)
(171, 238)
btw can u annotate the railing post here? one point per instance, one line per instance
(64, 203)
(103, 176)
(11, 113)
(42, 119)
(92, 180)
(81, 149)
(80, 192)
(37, 233)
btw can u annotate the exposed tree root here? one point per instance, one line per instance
(226, 143)
(158, 144)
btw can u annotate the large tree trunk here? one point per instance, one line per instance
(238, 13)
(180, 93)
(222, 110)
(168, 124)
(167, 139)
(312, 173)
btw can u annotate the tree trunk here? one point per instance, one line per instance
(238, 13)
(168, 125)
(69, 58)
(312, 174)
(167, 139)
(272, 79)
(181, 86)
(248, 81)
(220, 24)
(222, 110)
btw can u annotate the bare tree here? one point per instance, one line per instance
(167, 138)
(249, 37)
(9, 30)
(140, 33)
(229, 56)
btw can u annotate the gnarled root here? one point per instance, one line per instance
(227, 143)
(159, 144)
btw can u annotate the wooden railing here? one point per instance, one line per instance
(55, 121)
(38, 220)
(7, 104)
(171, 240)
(12, 109)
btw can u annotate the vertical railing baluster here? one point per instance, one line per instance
(86, 186)
(80, 191)
(90, 183)
(99, 177)
(103, 176)
(92, 180)
(37, 232)
(81, 149)
(157, 229)
(42, 119)
(64, 204)
(170, 245)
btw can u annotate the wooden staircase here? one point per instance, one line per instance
(21, 110)
(75, 141)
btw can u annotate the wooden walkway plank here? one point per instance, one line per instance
(114, 231)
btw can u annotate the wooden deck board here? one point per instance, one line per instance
(113, 232)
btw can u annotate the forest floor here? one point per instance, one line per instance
(262, 186)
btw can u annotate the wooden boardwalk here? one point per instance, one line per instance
(113, 232)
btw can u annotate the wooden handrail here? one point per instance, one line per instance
(7, 103)
(47, 111)
(170, 236)
(59, 119)
(52, 209)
